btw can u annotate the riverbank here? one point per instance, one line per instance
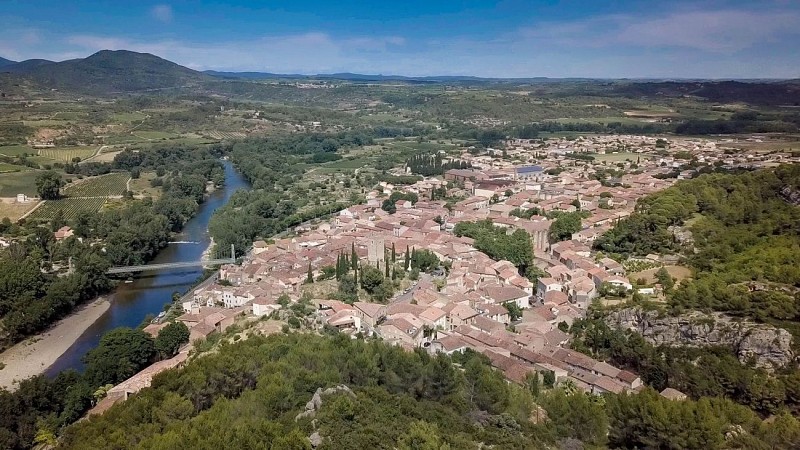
(36, 354)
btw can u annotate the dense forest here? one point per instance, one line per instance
(32, 297)
(744, 229)
(251, 395)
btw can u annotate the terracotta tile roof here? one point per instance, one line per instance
(451, 343)
(370, 309)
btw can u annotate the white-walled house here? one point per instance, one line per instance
(235, 298)
(546, 285)
(263, 306)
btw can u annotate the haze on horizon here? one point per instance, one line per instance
(508, 38)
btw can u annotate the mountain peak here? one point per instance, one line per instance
(6, 62)
(111, 71)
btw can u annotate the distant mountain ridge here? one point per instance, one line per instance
(108, 71)
(349, 76)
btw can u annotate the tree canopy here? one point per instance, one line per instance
(48, 185)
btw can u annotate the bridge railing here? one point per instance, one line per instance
(175, 265)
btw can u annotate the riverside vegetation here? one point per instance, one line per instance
(34, 289)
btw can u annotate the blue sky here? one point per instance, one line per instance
(507, 38)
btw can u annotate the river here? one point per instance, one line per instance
(149, 291)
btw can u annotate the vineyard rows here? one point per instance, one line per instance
(102, 186)
(226, 135)
(67, 154)
(70, 207)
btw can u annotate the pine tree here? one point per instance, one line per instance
(310, 275)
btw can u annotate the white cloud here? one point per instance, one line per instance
(721, 31)
(714, 31)
(162, 13)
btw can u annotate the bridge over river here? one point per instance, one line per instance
(174, 265)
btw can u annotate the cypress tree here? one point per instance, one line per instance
(310, 275)
(387, 269)
(394, 254)
(353, 257)
(407, 261)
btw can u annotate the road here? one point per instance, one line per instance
(406, 296)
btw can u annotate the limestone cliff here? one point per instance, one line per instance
(769, 346)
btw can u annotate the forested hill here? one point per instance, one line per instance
(743, 230)
(107, 72)
(253, 394)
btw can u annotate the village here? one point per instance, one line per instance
(467, 301)
(467, 305)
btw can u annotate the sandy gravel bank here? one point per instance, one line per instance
(34, 355)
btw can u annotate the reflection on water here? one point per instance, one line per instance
(150, 291)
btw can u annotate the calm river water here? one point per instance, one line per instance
(148, 293)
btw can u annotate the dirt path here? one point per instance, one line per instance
(31, 210)
(96, 153)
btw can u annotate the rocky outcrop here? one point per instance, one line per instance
(769, 346)
(315, 403)
(790, 195)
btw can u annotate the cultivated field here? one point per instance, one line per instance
(70, 207)
(122, 117)
(16, 150)
(5, 167)
(226, 135)
(107, 155)
(14, 210)
(102, 186)
(153, 135)
(649, 275)
(66, 154)
(14, 183)
(141, 185)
